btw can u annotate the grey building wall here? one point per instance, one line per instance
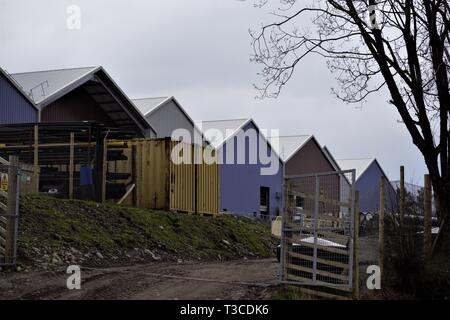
(169, 118)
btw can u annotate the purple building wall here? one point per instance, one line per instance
(368, 186)
(14, 107)
(240, 183)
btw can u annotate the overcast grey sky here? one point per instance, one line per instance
(198, 51)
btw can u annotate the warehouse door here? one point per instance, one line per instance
(9, 211)
(264, 202)
(317, 230)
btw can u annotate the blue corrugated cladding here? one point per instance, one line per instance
(240, 184)
(368, 186)
(14, 107)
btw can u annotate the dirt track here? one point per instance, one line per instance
(243, 279)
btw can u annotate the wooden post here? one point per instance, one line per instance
(36, 160)
(356, 248)
(12, 212)
(381, 226)
(427, 215)
(285, 237)
(71, 164)
(134, 174)
(104, 168)
(402, 195)
(196, 173)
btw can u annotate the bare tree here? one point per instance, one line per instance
(369, 45)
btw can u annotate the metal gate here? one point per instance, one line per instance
(318, 230)
(9, 211)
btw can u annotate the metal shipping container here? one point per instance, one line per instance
(164, 185)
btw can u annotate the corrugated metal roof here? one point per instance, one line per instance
(147, 105)
(43, 84)
(289, 145)
(218, 132)
(412, 188)
(360, 165)
(49, 85)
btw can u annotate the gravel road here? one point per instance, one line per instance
(242, 279)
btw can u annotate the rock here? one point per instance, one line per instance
(99, 255)
(75, 251)
(161, 227)
(180, 261)
(155, 257)
(55, 259)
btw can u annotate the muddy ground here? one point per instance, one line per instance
(241, 279)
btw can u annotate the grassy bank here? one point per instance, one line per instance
(53, 231)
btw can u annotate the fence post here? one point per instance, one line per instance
(286, 216)
(381, 226)
(71, 164)
(36, 160)
(427, 215)
(11, 219)
(134, 173)
(104, 168)
(402, 195)
(356, 248)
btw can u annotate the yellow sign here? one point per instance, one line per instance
(4, 182)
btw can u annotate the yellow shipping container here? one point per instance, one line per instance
(165, 185)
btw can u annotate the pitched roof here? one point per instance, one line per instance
(360, 165)
(42, 85)
(331, 159)
(217, 132)
(409, 187)
(18, 87)
(149, 105)
(288, 146)
(48, 86)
